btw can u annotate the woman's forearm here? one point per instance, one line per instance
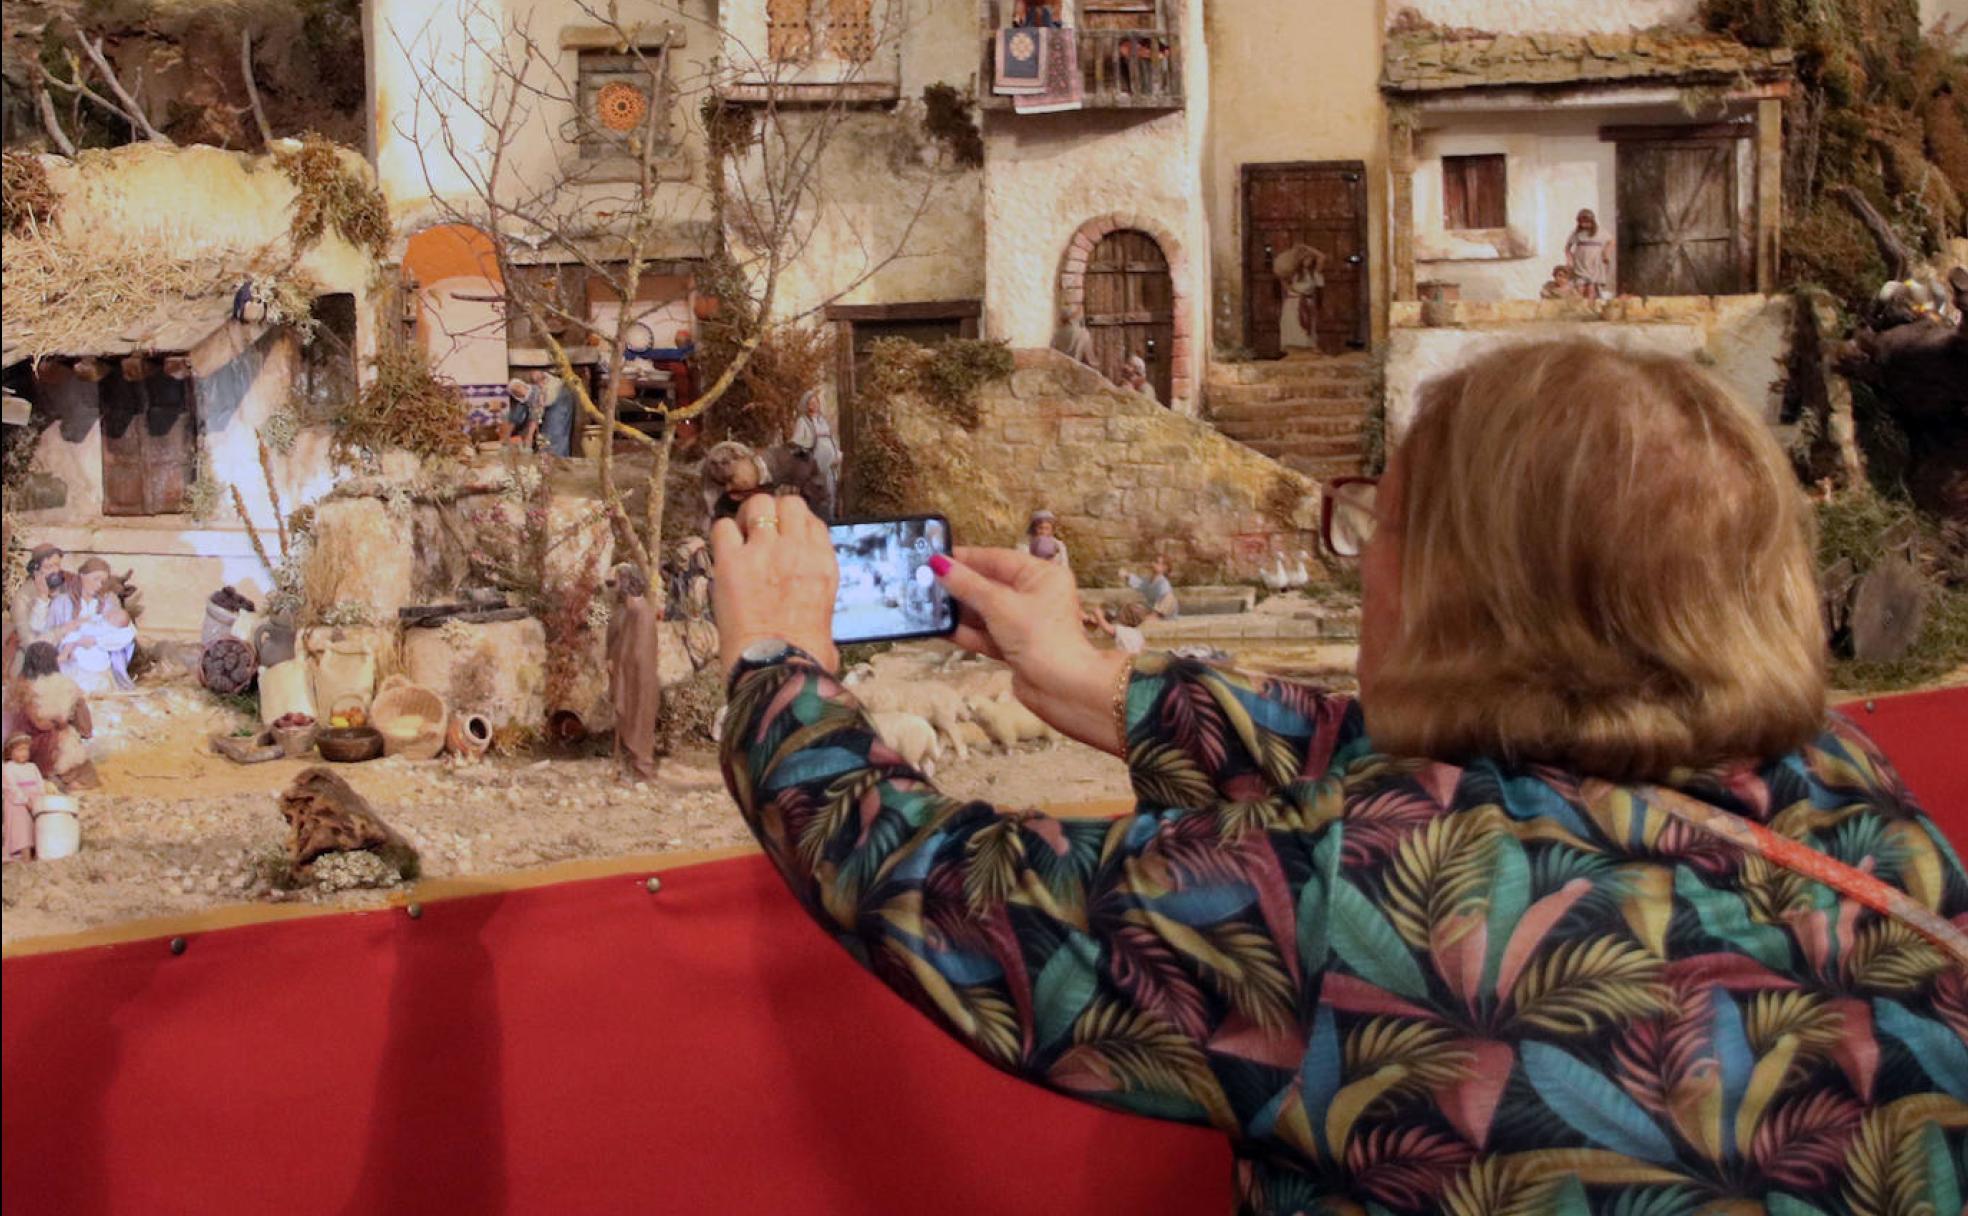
(1080, 700)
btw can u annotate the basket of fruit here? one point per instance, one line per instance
(411, 717)
(349, 738)
(295, 733)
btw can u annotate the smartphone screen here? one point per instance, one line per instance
(887, 590)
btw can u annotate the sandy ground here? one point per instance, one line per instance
(176, 829)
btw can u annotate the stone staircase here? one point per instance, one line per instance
(1304, 411)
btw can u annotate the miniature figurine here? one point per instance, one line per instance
(556, 403)
(1042, 539)
(40, 610)
(56, 715)
(733, 472)
(690, 580)
(1300, 274)
(813, 442)
(1073, 339)
(1030, 14)
(99, 640)
(1134, 377)
(1157, 602)
(522, 418)
(23, 787)
(1590, 257)
(1560, 286)
(633, 684)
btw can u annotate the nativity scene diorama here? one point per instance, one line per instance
(352, 422)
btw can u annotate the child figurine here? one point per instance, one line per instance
(1042, 539)
(23, 787)
(1590, 257)
(1560, 286)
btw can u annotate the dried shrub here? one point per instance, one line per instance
(406, 404)
(947, 120)
(331, 194)
(689, 709)
(570, 627)
(27, 199)
(947, 376)
(790, 359)
(886, 480)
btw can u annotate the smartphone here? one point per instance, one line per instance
(888, 593)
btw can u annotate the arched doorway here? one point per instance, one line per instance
(461, 316)
(1130, 307)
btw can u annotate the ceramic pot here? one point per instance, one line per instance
(468, 736)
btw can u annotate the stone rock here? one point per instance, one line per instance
(325, 815)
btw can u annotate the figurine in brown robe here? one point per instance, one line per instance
(634, 684)
(56, 716)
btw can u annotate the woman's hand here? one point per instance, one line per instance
(774, 576)
(1026, 611)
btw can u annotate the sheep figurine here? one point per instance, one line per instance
(911, 737)
(1010, 723)
(975, 736)
(938, 704)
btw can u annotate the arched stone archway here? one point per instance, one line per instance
(1073, 284)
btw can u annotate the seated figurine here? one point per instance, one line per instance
(1560, 286)
(1042, 540)
(1157, 603)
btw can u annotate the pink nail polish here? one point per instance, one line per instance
(939, 564)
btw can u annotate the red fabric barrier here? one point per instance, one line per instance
(1925, 735)
(581, 1048)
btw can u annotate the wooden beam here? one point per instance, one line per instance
(1769, 193)
(813, 93)
(91, 370)
(1691, 130)
(52, 371)
(925, 310)
(1401, 166)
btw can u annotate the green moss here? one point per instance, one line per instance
(1941, 649)
(947, 120)
(947, 376)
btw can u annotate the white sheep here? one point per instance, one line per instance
(911, 737)
(1010, 723)
(974, 735)
(937, 703)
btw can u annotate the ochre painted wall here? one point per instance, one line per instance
(1291, 80)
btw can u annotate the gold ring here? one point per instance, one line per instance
(766, 521)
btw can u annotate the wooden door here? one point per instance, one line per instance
(1130, 308)
(149, 442)
(1325, 205)
(1678, 229)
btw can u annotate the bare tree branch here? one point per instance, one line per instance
(125, 104)
(252, 88)
(51, 122)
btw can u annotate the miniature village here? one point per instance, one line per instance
(374, 369)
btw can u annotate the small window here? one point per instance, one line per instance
(149, 442)
(328, 365)
(788, 31)
(1473, 192)
(851, 29)
(621, 95)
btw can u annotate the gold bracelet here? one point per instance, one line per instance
(1120, 703)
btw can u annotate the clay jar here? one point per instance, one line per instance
(467, 737)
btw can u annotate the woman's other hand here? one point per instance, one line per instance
(1026, 611)
(774, 576)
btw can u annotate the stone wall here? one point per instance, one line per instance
(1742, 340)
(1125, 476)
(1599, 17)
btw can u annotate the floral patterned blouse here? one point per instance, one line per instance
(1403, 986)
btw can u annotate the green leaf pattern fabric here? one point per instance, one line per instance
(1403, 986)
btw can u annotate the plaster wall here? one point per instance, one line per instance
(1741, 340)
(433, 63)
(1290, 80)
(1556, 16)
(180, 560)
(1555, 165)
(1954, 12)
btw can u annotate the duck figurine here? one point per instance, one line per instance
(1276, 577)
(1301, 573)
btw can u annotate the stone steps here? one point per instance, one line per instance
(1306, 412)
(1195, 601)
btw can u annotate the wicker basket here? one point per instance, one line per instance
(296, 741)
(411, 717)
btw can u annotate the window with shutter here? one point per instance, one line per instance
(149, 443)
(788, 30)
(621, 96)
(851, 29)
(1474, 192)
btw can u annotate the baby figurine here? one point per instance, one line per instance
(23, 787)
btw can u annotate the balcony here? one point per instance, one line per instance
(1119, 70)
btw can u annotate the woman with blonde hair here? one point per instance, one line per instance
(1584, 904)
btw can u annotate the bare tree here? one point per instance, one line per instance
(476, 105)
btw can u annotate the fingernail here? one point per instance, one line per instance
(939, 564)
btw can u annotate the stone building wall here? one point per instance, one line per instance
(1598, 17)
(1742, 340)
(1126, 477)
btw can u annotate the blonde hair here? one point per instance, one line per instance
(1606, 565)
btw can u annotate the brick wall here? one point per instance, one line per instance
(1124, 475)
